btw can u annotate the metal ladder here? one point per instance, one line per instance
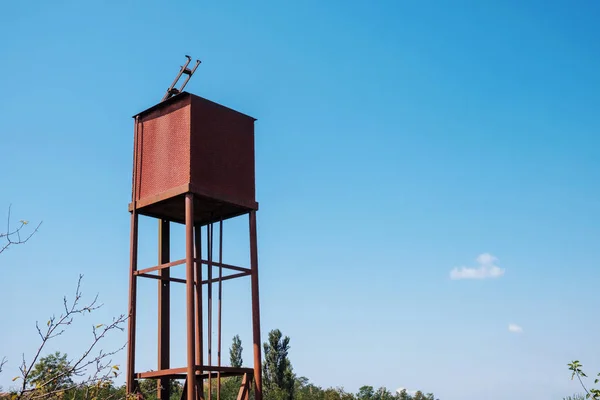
(172, 90)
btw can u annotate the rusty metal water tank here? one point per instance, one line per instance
(190, 144)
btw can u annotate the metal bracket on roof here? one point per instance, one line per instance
(172, 91)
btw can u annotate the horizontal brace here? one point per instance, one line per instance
(162, 278)
(183, 376)
(182, 261)
(228, 277)
(181, 372)
(228, 266)
(179, 280)
(159, 267)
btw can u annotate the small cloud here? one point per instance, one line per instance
(487, 269)
(514, 328)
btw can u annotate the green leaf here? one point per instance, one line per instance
(99, 325)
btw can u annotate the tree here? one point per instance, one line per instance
(148, 389)
(419, 396)
(403, 395)
(235, 352)
(383, 394)
(230, 386)
(278, 376)
(52, 373)
(365, 393)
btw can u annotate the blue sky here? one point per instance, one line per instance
(395, 141)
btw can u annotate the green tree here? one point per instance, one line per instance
(278, 376)
(365, 393)
(383, 394)
(419, 396)
(403, 395)
(235, 352)
(52, 373)
(304, 390)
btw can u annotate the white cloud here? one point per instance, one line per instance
(487, 269)
(514, 328)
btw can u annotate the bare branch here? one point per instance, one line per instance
(2, 363)
(13, 237)
(77, 367)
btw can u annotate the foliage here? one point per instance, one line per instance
(576, 371)
(278, 376)
(149, 389)
(235, 352)
(53, 376)
(52, 373)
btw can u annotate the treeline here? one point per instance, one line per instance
(50, 379)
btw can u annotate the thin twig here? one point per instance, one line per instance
(77, 367)
(9, 235)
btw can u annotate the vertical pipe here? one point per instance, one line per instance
(219, 308)
(132, 303)
(210, 271)
(255, 308)
(189, 276)
(164, 300)
(133, 253)
(199, 316)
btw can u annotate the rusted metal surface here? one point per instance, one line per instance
(130, 382)
(199, 308)
(198, 283)
(219, 312)
(182, 261)
(172, 91)
(164, 307)
(221, 171)
(190, 298)
(164, 153)
(223, 148)
(194, 164)
(180, 373)
(255, 309)
(161, 266)
(204, 282)
(244, 392)
(209, 236)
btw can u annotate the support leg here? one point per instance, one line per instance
(199, 316)
(131, 384)
(255, 308)
(164, 387)
(189, 274)
(219, 308)
(209, 228)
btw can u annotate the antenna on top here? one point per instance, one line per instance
(172, 91)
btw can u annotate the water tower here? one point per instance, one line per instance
(193, 164)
